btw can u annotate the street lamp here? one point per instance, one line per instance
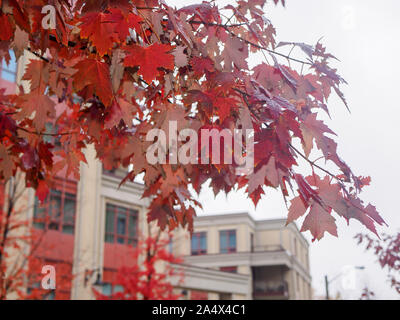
(327, 282)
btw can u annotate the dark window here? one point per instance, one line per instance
(198, 295)
(111, 172)
(227, 241)
(56, 213)
(199, 243)
(121, 225)
(109, 289)
(8, 71)
(170, 245)
(225, 296)
(229, 269)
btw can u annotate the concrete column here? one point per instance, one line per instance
(87, 228)
(16, 259)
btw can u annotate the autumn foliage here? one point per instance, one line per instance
(149, 278)
(113, 70)
(387, 251)
(23, 252)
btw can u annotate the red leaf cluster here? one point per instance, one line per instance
(113, 70)
(149, 278)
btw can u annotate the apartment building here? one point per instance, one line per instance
(92, 225)
(274, 257)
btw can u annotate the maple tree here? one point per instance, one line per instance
(149, 277)
(23, 252)
(387, 250)
(113, 70)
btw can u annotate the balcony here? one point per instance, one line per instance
(267, 248)
(259, 256)
(270, 290)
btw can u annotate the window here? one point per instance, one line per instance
(56, 213)
(251, 242)
(199, 243)
(8, 71)
(298, 281)
(112, 172)
(307, 261)
(121, 225)
(170, 246)
(227, 241)
(225, 296)
(109, 289)
(35, 288)
(229, 269)
(198, 295)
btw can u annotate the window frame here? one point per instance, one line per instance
(128, 212)
(43, 216)
(228, 248)
(230, 269)
(4, 67)
(199, 250)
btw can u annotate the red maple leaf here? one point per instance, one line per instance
(94, 76)
(6, 28)
(97, 28)
(150, 59)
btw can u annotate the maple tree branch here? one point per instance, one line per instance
(150, 26)
(45, 133)
(245, 95)
(218, 24)
(313, 164)
(10, 209)
(271, 51)
(147, 8)
(227, 19)
(38, 55)
(226, 27)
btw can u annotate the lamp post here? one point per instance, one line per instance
(327, 281)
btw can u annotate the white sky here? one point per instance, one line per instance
(364, 35)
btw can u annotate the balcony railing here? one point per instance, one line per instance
(267, 248)
(270, 289)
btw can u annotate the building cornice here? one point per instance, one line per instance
(267, 258)
(245, 217)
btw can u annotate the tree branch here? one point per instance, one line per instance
(226, 27)
(45, 133)
(313, 164)
(38, 55)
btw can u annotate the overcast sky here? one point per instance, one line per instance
(364, 35)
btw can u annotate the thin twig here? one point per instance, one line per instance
(38, 55)
(45, 133)
(313, 164)
(252, 43)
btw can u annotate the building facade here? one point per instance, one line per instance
(274, 256)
